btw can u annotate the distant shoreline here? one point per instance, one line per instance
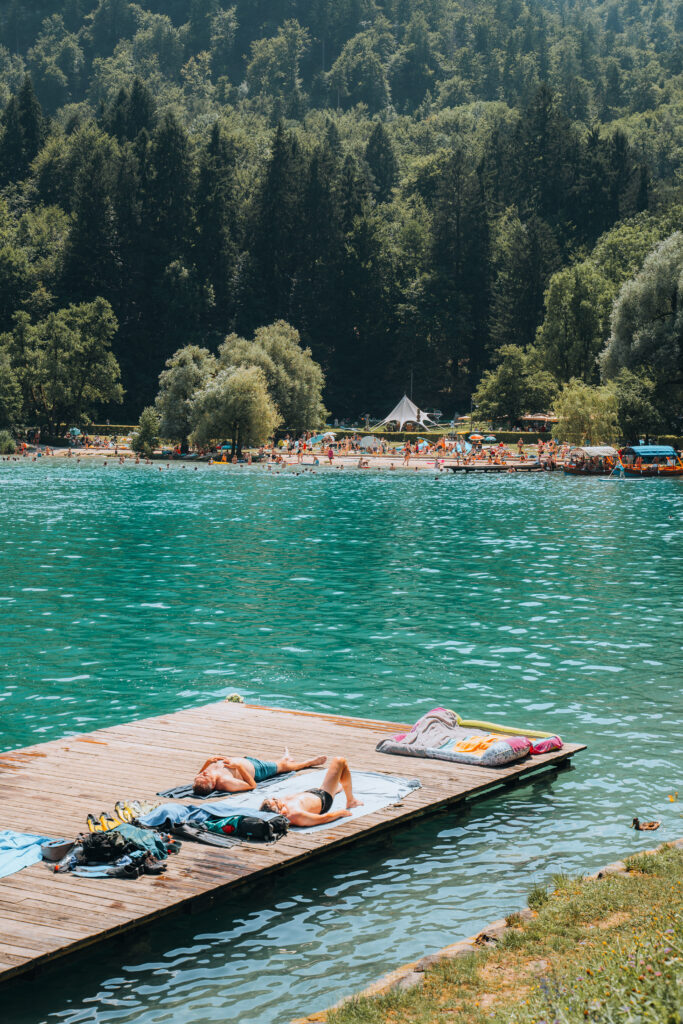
(289, 464)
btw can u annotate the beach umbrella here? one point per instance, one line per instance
(490, 438)
(75, 432)
(370, 442)
(476, 437)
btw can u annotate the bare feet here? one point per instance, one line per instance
(288, 764)
(353, 803)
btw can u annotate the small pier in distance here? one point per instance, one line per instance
(487, 467)
(51, 787)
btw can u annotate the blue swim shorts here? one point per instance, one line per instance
(262, 769)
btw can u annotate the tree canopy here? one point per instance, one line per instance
(234, 403)
(411, 187)
(187, 370)
(647, 324)
(587, 415)
(516, 386)
(637, 411)
(243, 393)
(294, 380)
(60, 368)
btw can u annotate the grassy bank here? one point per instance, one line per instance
(605, 951)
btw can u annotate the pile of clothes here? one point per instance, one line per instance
(125, 851)
(121, 845)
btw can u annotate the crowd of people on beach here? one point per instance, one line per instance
(309, 451)
(351, 451)
(420, 452)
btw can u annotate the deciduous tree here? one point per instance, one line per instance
(647, 326)
(516, 386)
(146, 437)
(637, 414)
(186, 372)
(10, 392)
(234, 404)
(64, 363)
(294, 380)
(586, 414)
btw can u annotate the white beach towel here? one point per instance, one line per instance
(375, 789)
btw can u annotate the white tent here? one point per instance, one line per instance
(405, 412)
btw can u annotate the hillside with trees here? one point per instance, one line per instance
(465, 192)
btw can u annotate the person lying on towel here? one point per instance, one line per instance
(238, 774)
(312, 807)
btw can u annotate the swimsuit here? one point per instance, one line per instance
(326, 799)
(262, 769)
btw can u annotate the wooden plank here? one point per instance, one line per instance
(43, 915)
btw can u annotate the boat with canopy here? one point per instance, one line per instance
(591, 460)
(644, 461)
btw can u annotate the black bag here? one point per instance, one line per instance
(104, 847)
(248, 827)
(260, 830)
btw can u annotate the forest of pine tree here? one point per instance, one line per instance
(408, 183)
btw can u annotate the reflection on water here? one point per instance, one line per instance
(127, 592)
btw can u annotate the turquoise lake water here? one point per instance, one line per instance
(127, 592)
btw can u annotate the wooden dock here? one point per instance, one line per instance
(51, 787)
(485, 467)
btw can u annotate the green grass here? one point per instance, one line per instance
(538, 896)
(607, 952)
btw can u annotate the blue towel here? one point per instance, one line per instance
(168, 815)
(18, 850)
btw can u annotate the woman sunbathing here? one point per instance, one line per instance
(312, 807)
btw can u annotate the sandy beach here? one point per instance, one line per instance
(288, 463)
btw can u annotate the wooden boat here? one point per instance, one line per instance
(645, 461)
(591, 461)
(505, 467)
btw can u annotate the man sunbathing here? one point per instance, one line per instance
(312, 807)
(239, 774)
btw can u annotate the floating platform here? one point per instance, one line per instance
(51, 787)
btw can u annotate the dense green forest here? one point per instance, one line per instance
(435, 188)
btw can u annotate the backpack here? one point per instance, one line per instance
(103, 847)
(106, 847)
(244, 826)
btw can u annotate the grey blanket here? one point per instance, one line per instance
(438, 727)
